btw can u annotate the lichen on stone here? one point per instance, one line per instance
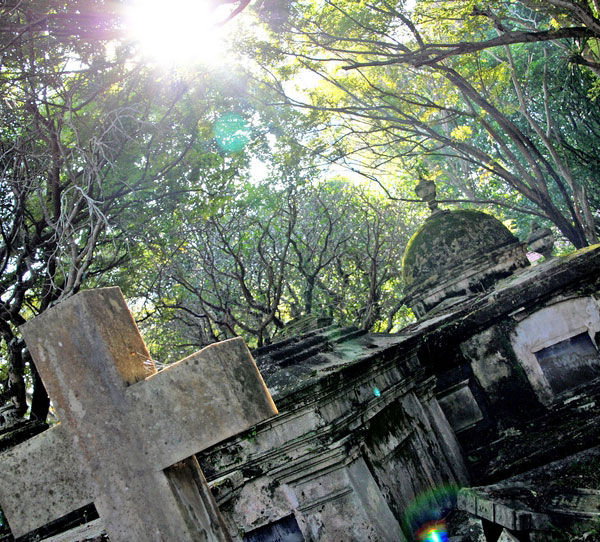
(446, 239)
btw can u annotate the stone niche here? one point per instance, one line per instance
(497, 377)
(285, 529)
(460, 406)
(557, 347)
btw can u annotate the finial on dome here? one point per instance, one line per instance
(427, 192)
(541, 240)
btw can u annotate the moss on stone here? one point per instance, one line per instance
(579, 252)
(446, 239)
(384, 425)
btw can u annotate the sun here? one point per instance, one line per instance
(177, 32)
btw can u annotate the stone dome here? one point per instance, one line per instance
(447, 239)
(456, 253)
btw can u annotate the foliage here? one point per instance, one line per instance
(270, 258)
(116, 174)
(94, 147)
(470, 96)
(4, 529)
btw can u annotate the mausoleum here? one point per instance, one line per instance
(376, 433)
(503, 360)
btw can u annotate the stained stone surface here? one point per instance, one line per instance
(115, 437)
(460, 407)
(201, 400)
(42, 479)
(576, 502)
(506, 536)
(456, 255)
(15, 433)
(449, 238)
(90, 532)
(542, 498)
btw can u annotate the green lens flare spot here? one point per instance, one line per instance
(434, 532)
(231, 132)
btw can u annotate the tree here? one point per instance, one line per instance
(320, 239)
(94, 147)
(516, 22)
(226, 276)
(270, 259)
(347, 247)
(399, 91)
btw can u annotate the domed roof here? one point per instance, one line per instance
(447, 240)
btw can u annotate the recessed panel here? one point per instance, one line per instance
(569, 363)
(284, 530)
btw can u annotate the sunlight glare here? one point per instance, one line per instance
(178, 32)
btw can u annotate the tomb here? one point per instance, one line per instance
(128, 435)
(495, 378)
(484, 315)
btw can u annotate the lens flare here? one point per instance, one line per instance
(231, 132)
(424, 518)
(178, 32)
(433, 532)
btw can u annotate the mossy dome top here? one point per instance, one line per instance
(447, 240)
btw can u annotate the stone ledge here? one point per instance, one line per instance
(90, 532)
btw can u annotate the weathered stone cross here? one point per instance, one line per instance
(127, 434)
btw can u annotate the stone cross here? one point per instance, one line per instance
(127, 434)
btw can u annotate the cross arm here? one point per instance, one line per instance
(42, 479)
(181, 410)
(201, 400)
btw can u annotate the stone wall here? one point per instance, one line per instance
(346, 456)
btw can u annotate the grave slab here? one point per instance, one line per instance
(521, 508)
(509, 507)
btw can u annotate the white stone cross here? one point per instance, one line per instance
(127, 434)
